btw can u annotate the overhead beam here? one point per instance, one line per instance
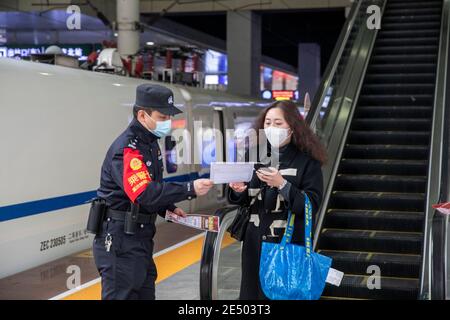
(158, 6)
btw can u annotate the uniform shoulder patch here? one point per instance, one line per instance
(135, 173)
(132, 143)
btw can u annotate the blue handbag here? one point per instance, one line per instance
(291, 272)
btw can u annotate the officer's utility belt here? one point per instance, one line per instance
(99, 212)
(121, 216)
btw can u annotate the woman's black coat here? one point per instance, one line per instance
(269, 212)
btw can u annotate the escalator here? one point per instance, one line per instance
(383, 112)
(375, 216)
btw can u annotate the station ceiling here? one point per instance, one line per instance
(285, 23)
(282, 30)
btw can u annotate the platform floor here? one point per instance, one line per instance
(172, 241)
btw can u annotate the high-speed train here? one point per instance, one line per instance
(56, 124)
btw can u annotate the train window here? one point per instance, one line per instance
(170, 145)
(238, 143)
(207, 146)
(171, 155)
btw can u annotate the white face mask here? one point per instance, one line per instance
(162, 129)
(277, 136)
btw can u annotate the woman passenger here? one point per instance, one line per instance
(301, 156)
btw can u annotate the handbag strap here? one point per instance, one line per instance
(308, 229)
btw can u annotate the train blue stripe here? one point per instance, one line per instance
(21, 210)
(30, 208)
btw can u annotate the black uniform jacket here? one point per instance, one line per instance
(270, 211)
(133, 172)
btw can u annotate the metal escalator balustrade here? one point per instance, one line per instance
(375, 211)
(434, 278)
(220, 266)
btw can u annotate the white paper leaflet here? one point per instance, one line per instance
(226, 172)
(334, 277)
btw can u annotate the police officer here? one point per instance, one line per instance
(133, 191)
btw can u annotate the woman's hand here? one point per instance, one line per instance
(273, 178)
(238, 186)
(180, 212)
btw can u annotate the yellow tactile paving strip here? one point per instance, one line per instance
(167, 265)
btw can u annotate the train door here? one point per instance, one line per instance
(208, 147)
(218, 126)
(174, 168)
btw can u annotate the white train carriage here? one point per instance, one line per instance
(56, 125)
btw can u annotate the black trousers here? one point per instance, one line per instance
(128, 271)
(251, 252)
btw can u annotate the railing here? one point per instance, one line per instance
(434, 270)
(338, 58)
(211, 259)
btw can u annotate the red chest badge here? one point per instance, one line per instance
(135, 174)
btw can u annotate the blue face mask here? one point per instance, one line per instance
(162, 129)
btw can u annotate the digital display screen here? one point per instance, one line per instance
(215, 62)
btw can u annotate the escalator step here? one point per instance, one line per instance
(389, 137)
(396, 99)
(384, 167)
(371, 240)
(342, 298)
(391, 288)
(412, 2)
(391, 265)
(429, 78)
(411, 19)
(368, 124)
(410, 58)
(407, 41)
(374, 220)
(405, 49)
(383, 34)
(393, 112)
(386, 152)
(399, 88)
(412, 26)
(401, 68)
(419, 4)
(389, 201)
(412, 11)
(381, 183)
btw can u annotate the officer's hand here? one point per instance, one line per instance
(238, 186)
(180, 212)
(202, 186)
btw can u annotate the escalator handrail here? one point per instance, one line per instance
(435, 191)
(208, 254)
(331, 68)
(346, 103)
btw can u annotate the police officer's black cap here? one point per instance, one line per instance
(156, 97)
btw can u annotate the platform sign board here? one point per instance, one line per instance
(80, 51)
(280, 95)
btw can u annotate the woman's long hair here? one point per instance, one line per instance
(302, 135)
